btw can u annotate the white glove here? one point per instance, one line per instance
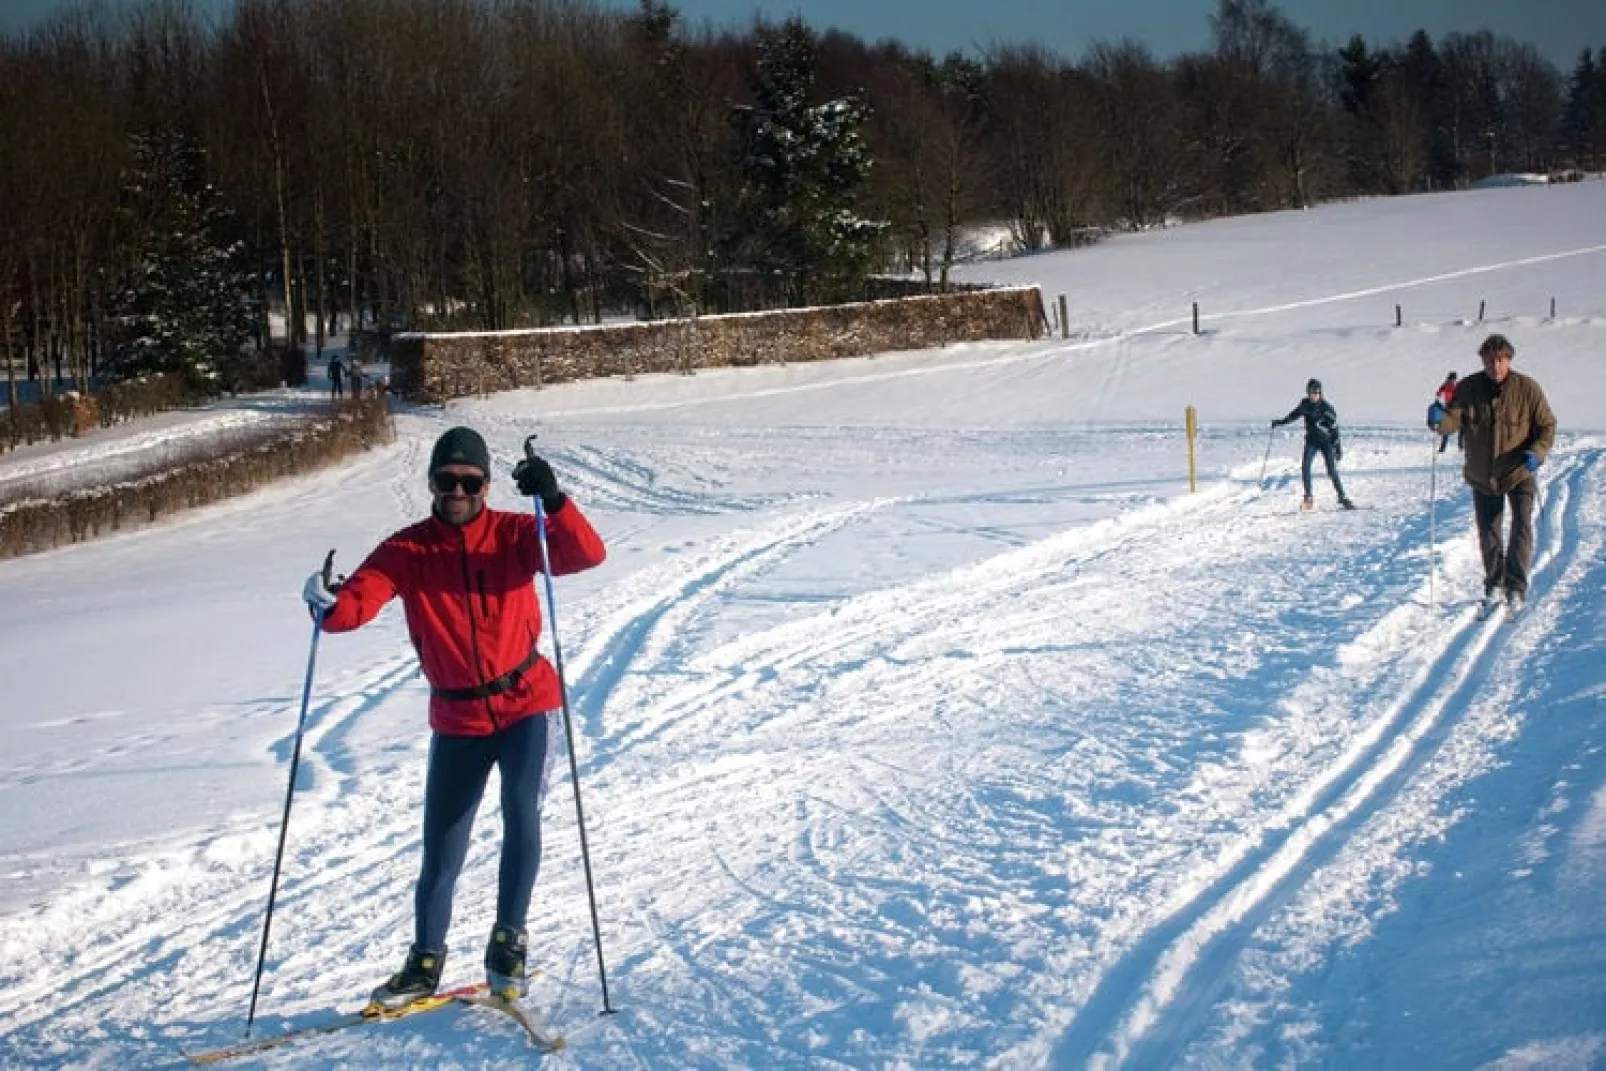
(320, 599)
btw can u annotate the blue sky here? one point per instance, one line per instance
(1558, 28)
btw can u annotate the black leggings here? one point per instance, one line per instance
(1326, 450)
(459, 767)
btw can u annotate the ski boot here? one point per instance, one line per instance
(1307, 505)
(1514, 602)
(1493, 598)
(419, 977)
(504, 962)
(1345, 503)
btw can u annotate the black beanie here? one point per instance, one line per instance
(460, 446)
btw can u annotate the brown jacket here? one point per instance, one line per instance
(1500, 423)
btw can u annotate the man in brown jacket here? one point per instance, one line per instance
(1507, 429)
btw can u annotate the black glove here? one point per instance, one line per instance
(1338, 451)
(536, 478)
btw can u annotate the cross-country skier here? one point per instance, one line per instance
(1507, 430)
(1445, 393)
(1321, 437)
(464, 577)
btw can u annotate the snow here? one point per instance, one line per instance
(1521, 178)
(923, 717)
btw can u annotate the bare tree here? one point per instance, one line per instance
(1280, 96)
(1042, 137)
(1403, 133)
(1138, 117)
(1531, 99)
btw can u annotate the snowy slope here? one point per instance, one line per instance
(924, 718)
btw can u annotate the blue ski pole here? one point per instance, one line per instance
(289, 794)
(568, 729)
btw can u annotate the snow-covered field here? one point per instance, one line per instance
(924, 717)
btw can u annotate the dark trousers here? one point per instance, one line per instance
(1506, 565)
(1326, 450)
(459, 767)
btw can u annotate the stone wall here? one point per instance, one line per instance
(436, 367)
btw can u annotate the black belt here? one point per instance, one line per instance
(491, 687)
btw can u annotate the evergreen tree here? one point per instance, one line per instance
(186, 309)
(1359, 71)
(1359, 83)
(1583, 124)
(1423, 74)
(804, 164)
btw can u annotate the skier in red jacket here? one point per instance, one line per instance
(464, 576)
(1445, 396)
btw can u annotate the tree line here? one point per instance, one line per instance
(165, 181)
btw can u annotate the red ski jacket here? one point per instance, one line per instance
(471, 608)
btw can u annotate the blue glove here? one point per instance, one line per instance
(1530, 461)
(1435, 415)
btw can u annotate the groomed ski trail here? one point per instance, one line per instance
(1157, 999)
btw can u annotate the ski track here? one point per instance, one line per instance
(1149, 1006)
(1238, 894)
(349, 850)
(813, 642)
(335, 843)
(1021, 929)
(1340, 899)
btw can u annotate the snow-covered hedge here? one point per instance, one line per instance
(37, 524)
(60, 416)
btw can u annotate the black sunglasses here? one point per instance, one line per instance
(447, 482)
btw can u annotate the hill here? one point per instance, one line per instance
(924, 718)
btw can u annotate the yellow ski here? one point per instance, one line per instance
(373, 1013)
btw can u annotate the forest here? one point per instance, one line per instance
(168, 180)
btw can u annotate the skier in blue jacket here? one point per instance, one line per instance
(1321, 437)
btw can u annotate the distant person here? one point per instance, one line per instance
(1321, 437)
(354, 373)
(464, 576)
(337, 374)
(1446, 392)
(1507, 430)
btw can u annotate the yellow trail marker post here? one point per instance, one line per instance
(1193, 436)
